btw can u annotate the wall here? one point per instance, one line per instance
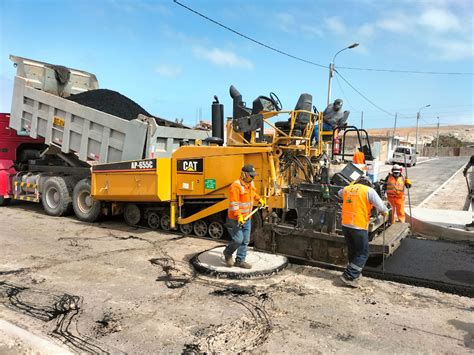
(381, 146)
(448, 151)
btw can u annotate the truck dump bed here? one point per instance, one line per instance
(40, 109)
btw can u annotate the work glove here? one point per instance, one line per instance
(241, 220)
(262, 202)
(408, 183)
(385, 215)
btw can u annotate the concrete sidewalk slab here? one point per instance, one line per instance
(441, 224)
(211, 262)
(21, 341)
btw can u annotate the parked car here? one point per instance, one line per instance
(404, 155)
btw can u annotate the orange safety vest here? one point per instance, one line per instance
(358, 158)
(395, 187)
(356, 206)
(241, 197)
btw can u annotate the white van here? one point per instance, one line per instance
(404, 154)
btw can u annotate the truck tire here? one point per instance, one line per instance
(4, 201)
(70, 183)
(85, 207)
(56, 196)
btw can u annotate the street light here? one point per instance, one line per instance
(417, 122)
(331, 68)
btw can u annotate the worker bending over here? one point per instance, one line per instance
(395, 185)
(242, 194)
(358, 200)
(333, 117)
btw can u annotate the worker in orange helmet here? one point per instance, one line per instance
(395, 185)
(359, 157)
(242, 194)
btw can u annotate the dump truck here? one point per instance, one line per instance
(66, 138)
(189, 190)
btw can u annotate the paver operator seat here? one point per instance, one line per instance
(305, 102)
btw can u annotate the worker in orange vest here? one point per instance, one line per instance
(358, 200)
(395, 185)
(359, 157)
(242, 194)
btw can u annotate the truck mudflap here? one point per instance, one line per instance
(315, 246)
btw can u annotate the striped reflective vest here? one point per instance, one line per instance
(395, 187)
(356, 206)
(241, 197)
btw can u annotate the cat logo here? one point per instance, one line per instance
(190, 166)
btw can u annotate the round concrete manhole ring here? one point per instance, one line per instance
(211, 263)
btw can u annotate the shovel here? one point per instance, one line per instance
(408, 190)
(246, 218)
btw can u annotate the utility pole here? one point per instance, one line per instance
(437, 140)
(418, 115)
(331, 69)
(416, 134)
(362, 119)
(395, 125)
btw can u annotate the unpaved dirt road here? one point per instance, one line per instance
(107, 287)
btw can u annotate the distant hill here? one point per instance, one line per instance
(426, 134)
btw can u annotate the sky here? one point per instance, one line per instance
(172, 61)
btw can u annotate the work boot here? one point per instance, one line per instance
(470, 226)
(242, 264)
(349, 282)
(229, 261)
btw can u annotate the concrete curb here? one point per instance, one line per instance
(441, 224)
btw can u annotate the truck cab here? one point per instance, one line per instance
(404, 156)
(14, 149)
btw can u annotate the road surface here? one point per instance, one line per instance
(428, 175)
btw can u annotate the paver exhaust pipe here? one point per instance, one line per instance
(217, 119)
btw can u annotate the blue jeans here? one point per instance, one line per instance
(240, 238)
(326, 127)
(357, 241)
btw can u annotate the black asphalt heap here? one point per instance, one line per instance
(114, 103)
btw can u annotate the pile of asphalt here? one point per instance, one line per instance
(116, 104)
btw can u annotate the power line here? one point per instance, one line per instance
(343, 93)
(408, 71)
(250, 38)
(309, 61)
(365, 97)
(432, 108)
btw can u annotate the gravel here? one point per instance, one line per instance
(116, 104)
